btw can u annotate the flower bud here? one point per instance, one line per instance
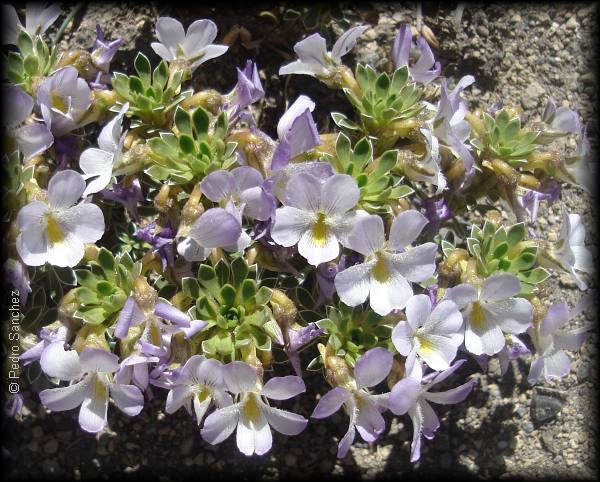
(145, 296)
(337, 372)
(284, 309)
(91, 336)
(180, 350)
(209, 99)
(191, 211)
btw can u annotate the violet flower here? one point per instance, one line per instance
(243, 186)
(436, 211)
(490, 311)
(103, 51)
(134, 370)
(31, 139)
(276, 184)
(550, 340)
(449, 125)
(15, 272)
(161, 241)
(14, 405)
(530, 201)
(412, 395)
(513, 349)
(386, 273)
(194, 46)
(250, 413)
(38, 17)
(64, 99)
(325, 274)
(297, 339)
(317, 216)
(47, 336)
(433, 335)
(297, 132)
(198, 384)
(56, 231)
(248, 89)
(560, 121)
(129, 196)
(360, 404)
(426, 68)
(92, 371)
(315, 60)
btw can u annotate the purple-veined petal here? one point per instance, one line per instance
(282, 388)
(369, 422)
(98, 360)
(393, 293)
(312, 50)
(218, 185)
(200, 408)
(340, 193)
(348, 437)
(220, 424)
(57, 362)
(304, 192)
(346, 42)
(352, 284)
(65, 398)
(367, 235)
(216, 228)
(461, 295)
(514, 315)
(372, 368)
(299, 106)
(84, 221)
(33, 139)
(65, 189)
(128, 398)
(438, 351)
(177, 398)
(404, 395)
(405, 229)
(418, 309)
(445, 318)
(284, 422)
(239, 377)
(402, 337)
(253, 436)
(431, 422)
(170, 32)
(167, 311)
(290, 224)
(92, 414)
(32, 245)
(416, 264)
(500, 286)
(556, 317)
(571, 340)
(487, 339)
(331, 402)
(199, 35)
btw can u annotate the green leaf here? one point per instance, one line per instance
(31, 65)
(143, 68)
(107, 261)
(92, 315)
(263, 296)
(534, 276)
(239, 271)
(86, 278)
(160, 75)
(228, 293)
(248, 289)
(207, 277)
(25, 43)
(182, 121)
(516, 233)
(186, 144)
(500, 250)
(190, 287)
(201, 120)
(342, 121)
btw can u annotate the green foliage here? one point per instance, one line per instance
(195, 148)
(236, 308)
(34, 60)
(152, 95)
(384, 99)
(104, 288)
(505, 139)
(501, 249)
(378, 187)
(353, 331)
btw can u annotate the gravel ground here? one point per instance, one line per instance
(506, 428)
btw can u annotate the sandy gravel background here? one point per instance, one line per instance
(506, 428)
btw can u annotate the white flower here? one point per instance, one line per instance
(434, 335)
(490, 311)
(38, 18)
(56, 231)
(99, 163)
(194, 46)
(317, 215)
(313, 57)
(386, 274)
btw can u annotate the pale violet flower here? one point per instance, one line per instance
(550, 340)
(103, 51)
(64, 98)
(297, 132)
(47, 336)
(243, 186)
(248, 89)
(363, 407)
(569, 253)
(513, 349)
(56, 231)
(429, 166)
(412, 395)
(315, 60)
(31, 139)
(194, 46)
(449, 124)
(98, 162)
(135, 370)
(426, 68)
(250, 413)
(434, 335)
(317, 215)
(388, 269)
(199, 384)
(561, 120)
(490, 311)
(92, 374)
(38, 17)
(215, 228)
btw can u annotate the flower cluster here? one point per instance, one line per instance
(182, 250)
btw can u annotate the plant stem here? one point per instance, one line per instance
(74, 11)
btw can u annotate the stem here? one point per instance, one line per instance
(74, 11)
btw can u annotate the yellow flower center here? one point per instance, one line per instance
(54, 232)
(477, 316)
(424, 344)
(320, 230)
(251, 408)
(203, 394)
(58, 102)
(381, 272)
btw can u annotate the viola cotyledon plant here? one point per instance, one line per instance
(164, 244)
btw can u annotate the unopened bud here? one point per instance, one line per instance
(145, 296)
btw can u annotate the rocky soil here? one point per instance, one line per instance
(506, 428)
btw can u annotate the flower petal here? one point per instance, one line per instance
(346, 42)
(418, 309)
(33, 139)
(200, 34)
(352, 284)
(406, 228)
(367, 235)
(461, 295)
(514, 315)
(331, 402)
(372, 368)
(284, 422)
(317, 250)
(340, 193)
(65, 398)
(239, 377)
(96, 162)
(488, 339)
(500, 286)
(282, 388)
(369, 422)
(215, 228)
(218, 185)
(452, 396)
(65, 189)
(416, 264)
(304, 192)
(84, 221)
(404, 395)
(220, 424)
(389, 295)
(128, 398)
(98, 360)
(289, 226)
(57, 362)
(170, 32)
(92, 414)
